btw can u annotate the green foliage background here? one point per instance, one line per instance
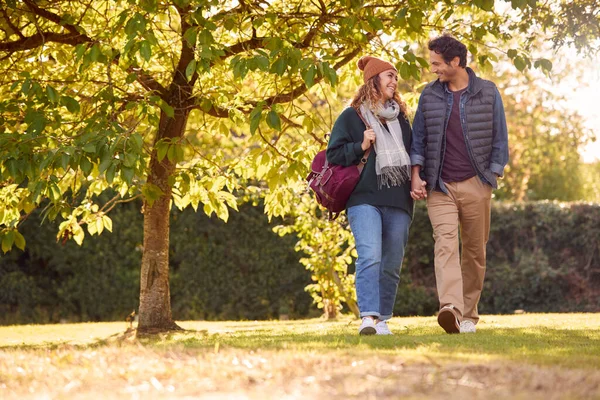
(542, 257)
(238, 270)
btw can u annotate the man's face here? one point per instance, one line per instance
(445, 72)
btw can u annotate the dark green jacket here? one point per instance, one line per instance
(344, 148)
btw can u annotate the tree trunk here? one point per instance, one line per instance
(155, 300)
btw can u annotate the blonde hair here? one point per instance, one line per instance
(370, 94)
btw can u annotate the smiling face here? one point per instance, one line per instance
(445, 72)
(388, 81)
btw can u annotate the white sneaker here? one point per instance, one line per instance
(381, 328)
(367, 327)
(467, 326)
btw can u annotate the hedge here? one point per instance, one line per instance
(238, 270)
(542, 257)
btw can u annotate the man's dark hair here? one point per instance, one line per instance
(448, 48)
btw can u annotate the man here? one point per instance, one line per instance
(459, 149)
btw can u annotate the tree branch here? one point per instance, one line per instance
(37, 40)
(50, 16)
(12, 26)
(282, 98)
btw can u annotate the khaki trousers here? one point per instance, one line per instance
(466, 206)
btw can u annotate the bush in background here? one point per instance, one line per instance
(542, 257)
(238, 270)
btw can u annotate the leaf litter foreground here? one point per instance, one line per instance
(310, 359)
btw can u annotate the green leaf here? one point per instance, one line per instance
(36, 122)
(279, 66)
(309, 76)
(107, 222)
(7, 241)
(138, 141)
(130, 160)
(543, 63)
(415, 20)
(179, 154)
(161, 150)
(273, 120)
(96, 227)
(19, 240)
(375, 23)
(89, 148)
(255, 117)
(414, 71)
(95, 53)
(151, 193)
(512, 53)
(520, 63)
(329, 73)
(262, 63)
(104, 164)
(53, 96)
(54, 192)
(78, 234)
(190, 36)
(71, 104)
(190, 69)
(127, 174)
(85, 165)
(26, 86)
(404, 71)
(229, 24)
(110, 173)
(146, 50)
(518, 4)
(171, 154)
(486, 5)
(423, 62)
(170, 111)
(410, 56)
(307, 123)
(131, 78)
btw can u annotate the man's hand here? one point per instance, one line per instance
(368, 139)
(418, 187)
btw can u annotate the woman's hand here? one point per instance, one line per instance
(418, 187)
(368, 139)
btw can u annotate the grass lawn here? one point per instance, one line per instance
(529, 356)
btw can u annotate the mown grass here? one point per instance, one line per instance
(517, 355)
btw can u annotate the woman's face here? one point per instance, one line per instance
(389, 81)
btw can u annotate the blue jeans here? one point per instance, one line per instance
(380, 234)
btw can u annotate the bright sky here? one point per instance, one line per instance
(585, 100)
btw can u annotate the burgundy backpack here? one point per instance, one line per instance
(333, 184)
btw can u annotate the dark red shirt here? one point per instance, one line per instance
(457, 165)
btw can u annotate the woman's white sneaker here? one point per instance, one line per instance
(367, 326)
(467, 326)
(381, 328)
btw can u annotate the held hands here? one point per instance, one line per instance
(368, 140)
(418, 190)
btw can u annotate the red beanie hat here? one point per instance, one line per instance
(372, 66)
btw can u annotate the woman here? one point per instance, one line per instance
(380, 207)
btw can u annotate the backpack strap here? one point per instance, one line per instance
(365, 158)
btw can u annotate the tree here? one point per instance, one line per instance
(124, 96)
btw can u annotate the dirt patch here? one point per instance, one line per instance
(136, 371)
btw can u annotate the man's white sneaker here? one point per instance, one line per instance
(382, 328)
(367, 326)
(467, 326)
